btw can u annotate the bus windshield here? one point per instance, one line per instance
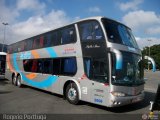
(131, 73)
(2, 64)
(118, 33)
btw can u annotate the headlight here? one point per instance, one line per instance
(118, 94)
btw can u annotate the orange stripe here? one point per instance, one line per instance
(9, 63)
(35, 54)
(31, 75)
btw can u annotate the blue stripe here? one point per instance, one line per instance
(15, 62)
(40, 84)
(51, 52)
(118, 64)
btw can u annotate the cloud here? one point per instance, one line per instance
(94, 9)
(143, 42)
(132, 5)
(39, 24)
(30, 5)
(141, 18)
(147, 22)
(153, 30)
(36, 23)
(7, 14)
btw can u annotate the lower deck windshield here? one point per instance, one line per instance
(131, 73)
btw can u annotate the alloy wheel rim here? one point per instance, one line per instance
(72, 94)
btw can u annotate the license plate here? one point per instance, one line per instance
(136, 99)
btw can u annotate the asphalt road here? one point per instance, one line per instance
(30, 100)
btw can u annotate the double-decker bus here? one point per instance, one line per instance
(2, 64)
(95, 60)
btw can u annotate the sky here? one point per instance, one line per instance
(27, 18)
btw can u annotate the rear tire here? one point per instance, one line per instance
(72, 94)
(19, 82)
(14, 80)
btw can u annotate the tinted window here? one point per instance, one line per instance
(36, 42)
(96, 69)
(68, 35)
(56, 66)
(27, 65)
(15, 48)
(48, 66)
(22, 46)
(68, 66)
(41, 41)
(48, 40)
(90, 31)
(55, 39)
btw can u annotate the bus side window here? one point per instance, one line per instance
(41, 41)
(40, 66)
(68, 66)
(47, 66)
(90, 31)
(55, 39)
(34, 66)
(98, 34)
(36, 43)
(56, 66)
(86, 31)
(68, 35)
(27, 64)
(22, 46)
(47, 40)
(87, 66)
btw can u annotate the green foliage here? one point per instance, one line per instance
(154, 53)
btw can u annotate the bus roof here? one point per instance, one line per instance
(81, 20)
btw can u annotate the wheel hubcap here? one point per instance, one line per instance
(72, 94)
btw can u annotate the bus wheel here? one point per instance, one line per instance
(72, 94)
(19, 84)
(14, 80)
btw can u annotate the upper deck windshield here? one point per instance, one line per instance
(118, 33)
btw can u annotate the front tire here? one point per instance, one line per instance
(72, 94)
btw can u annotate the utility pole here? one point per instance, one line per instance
(5, 24)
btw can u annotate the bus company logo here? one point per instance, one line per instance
(25, 55)
(69, 51)
(92, 46)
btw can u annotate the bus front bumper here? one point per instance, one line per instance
(120, 101)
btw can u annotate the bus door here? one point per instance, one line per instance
(97, 70)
